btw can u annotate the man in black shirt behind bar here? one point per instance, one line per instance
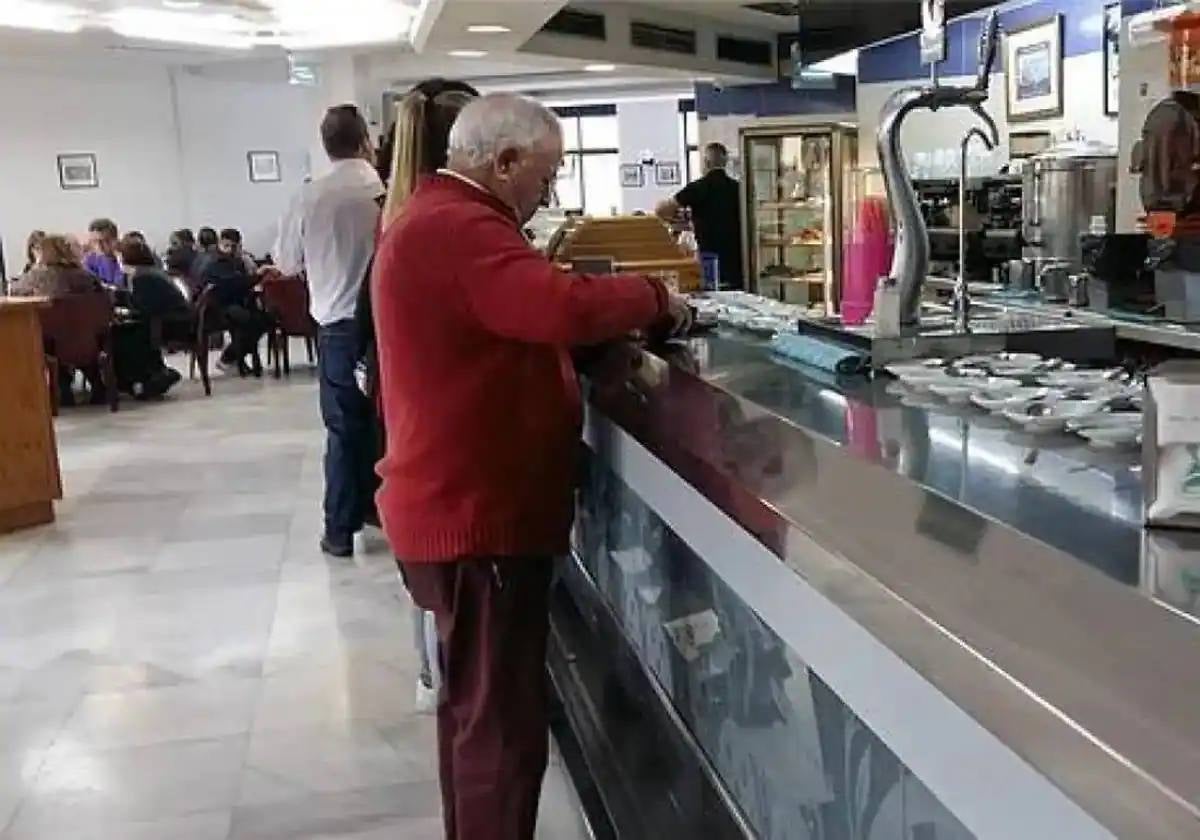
(714, 201)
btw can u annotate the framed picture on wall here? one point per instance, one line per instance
(632, 176)
(1033, 71)
(264, 167)
(667, 174)
(1112, 59)
(78, 172)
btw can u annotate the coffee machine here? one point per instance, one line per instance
(1168, 159)
(993, 224)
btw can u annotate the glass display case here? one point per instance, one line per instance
(793, 194)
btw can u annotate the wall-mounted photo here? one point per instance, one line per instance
(667, 174)
(1033, 71)
(77, 172)
(632, 176)
(1112, 59)
(264, 167)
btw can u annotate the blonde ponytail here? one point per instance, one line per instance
(422, 135)
(407, 154)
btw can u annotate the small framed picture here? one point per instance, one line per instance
(1033, 63)
(632, 175)
(667, 174)
(1112, 59)
(264, 167)
(78, 172)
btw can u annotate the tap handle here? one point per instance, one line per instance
(988, 39)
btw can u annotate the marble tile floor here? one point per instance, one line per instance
(178, 661)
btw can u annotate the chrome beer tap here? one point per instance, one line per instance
(910, 263)
(960, 303)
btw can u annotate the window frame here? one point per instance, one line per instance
(690, 144)
(577, 155)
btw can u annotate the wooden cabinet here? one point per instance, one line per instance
(29, 476)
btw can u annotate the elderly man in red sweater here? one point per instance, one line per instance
(483, 413)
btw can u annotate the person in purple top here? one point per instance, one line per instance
(101, 259)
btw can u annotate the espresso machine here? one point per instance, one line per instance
(1168, 159)
(992, 224)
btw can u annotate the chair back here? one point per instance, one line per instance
(209, 314)
(76, 328)
(286, 299)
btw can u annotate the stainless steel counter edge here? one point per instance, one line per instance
(1086, 680)
(1156, 332)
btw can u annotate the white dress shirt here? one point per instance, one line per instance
(329, 232)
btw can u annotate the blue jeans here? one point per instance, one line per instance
(350, 438)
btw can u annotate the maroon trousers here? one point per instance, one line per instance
(493, 739)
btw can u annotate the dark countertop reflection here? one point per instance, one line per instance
(1054, 488)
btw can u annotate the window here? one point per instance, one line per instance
(690, 125)
(589, 181)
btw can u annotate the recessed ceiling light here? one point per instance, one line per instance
(599, 68)
(488, 29)
(468, 53)
(181, 4)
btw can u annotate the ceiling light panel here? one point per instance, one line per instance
(41, 16)
(313, 24)
(220, 30)
(291, 24)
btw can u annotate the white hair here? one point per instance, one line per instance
(498, 121)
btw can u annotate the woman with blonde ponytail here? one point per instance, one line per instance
(418, 143)
(422, 134)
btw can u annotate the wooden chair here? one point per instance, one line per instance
(210, 321)
(286, 302)
(77, 333)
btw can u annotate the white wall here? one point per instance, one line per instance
(652, 125)
(123, 116)
(170, 145)
(925, 131)
(220, 121)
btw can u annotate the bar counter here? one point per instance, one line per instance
(804, 607)
(29, 475)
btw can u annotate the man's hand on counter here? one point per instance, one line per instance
(681, 315)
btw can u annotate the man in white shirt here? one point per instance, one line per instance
(330, 233)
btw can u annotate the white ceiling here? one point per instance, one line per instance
(218, 25)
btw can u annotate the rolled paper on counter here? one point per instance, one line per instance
(823, 355)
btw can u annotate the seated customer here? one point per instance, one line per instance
(152, 293)
(181, 253)
(231, 243)
(102, 253)
(138, 360)
(233, 293)
(56, 273)
(207, 241)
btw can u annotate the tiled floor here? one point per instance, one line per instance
(178, 661)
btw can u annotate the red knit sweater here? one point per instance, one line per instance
(480, 400)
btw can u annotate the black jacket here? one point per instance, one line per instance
(227, 274)
(155, 296)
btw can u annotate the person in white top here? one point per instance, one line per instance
(329, 233)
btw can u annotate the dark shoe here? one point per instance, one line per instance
(337, 549)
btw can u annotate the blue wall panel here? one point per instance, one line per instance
(899, 59)
(775, 99)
